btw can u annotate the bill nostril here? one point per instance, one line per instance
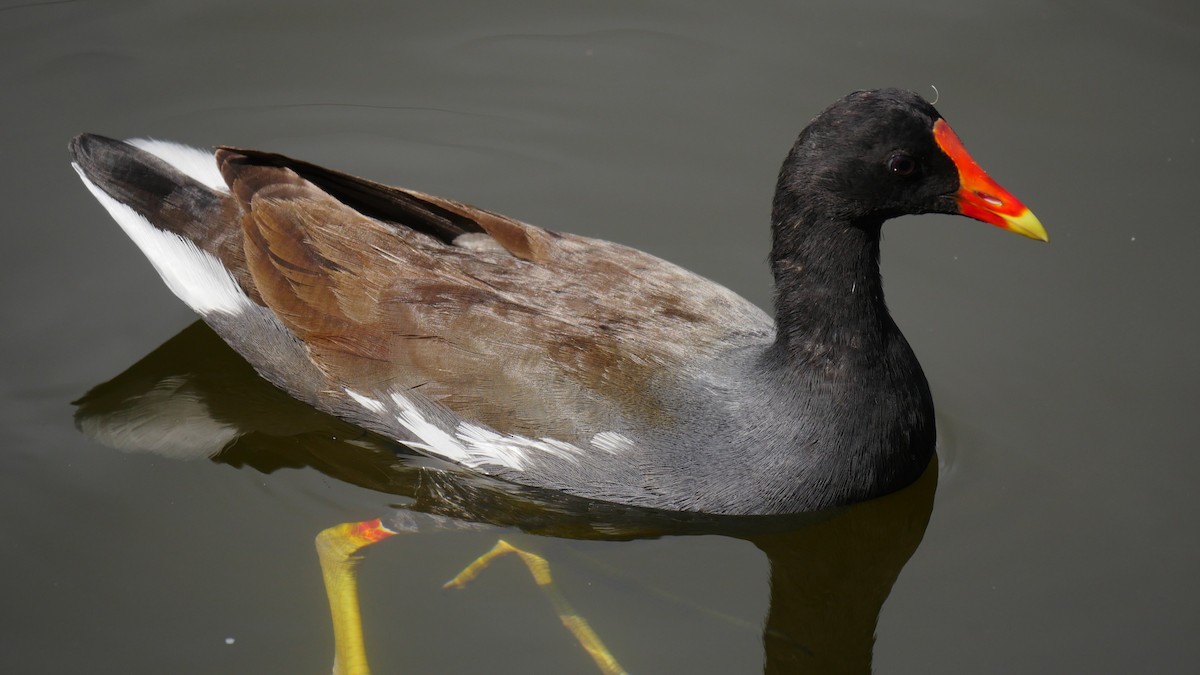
(992, 200)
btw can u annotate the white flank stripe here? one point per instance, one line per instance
(490, 446)
(194, 275)
(366, 402)
(612, 442)
(434, 439)
(201, 165)
(475, 445)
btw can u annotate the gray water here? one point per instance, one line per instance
(1063, 537)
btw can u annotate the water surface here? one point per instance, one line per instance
(1063, 533)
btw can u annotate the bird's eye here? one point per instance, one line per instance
(902, 164)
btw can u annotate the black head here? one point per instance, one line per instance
(878, 154)
(868, 157)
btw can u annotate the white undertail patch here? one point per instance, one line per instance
(194, 275)
(199, 164)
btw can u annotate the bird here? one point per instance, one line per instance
(565, 363)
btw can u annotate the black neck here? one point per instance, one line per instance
(828, 291)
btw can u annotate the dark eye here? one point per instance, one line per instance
(902, 164)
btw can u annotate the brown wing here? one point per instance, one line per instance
(525, 330)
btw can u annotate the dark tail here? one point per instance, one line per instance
(163, 193)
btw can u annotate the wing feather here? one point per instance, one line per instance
(545, 334)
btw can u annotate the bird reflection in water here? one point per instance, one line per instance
(830, 572)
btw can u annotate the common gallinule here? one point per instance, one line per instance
(569, 363)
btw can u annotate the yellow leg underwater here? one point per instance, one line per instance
(337, 548)
(540, 570)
